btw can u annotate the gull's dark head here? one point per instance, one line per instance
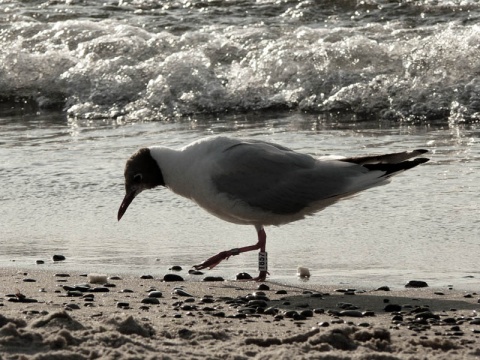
(141, 173)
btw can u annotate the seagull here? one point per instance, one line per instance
(259, 183)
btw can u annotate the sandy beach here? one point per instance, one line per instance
(55, 315)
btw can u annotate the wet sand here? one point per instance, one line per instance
(55, 315)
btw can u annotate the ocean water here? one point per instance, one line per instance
(83, 84)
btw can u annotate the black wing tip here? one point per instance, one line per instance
(421, 151)
(421, 160)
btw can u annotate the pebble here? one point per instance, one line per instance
(383, 288)
(351, 313)
(319, 311)
(72, 307)
(126, 291)
(123, 305)
(62, 275)
(176, 268)
(39, 262)
(416, 284)
(151, 300)
(207, 300)
(100, 289)
(243, 276)
(195, 272)
(257, 303)
(114, 278)
(263, 287)
(172, 277)
(281, 292)
(155, 294)
(323, 324)
(146, 277)
(475, 321)
(29, 280)
(181, 292)
(213, 278)
(74, 293)
(306, 313)
(58, 258)
(392, 308)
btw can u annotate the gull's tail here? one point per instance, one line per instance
(390, 164)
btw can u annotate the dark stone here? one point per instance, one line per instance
(62, 275)
(257, 303)
(100, 289)
(290, 314)
(74, 293)
(383, 288)
(39, 262)
(243, 276)
(181, 292)
(392, 308)
(115, 278)
(323, 324)
(126, 291)
(351, 313)
(109, 285)
(176, 268)
(172, 277)
(426, 315)
(281, 292)
(72, 307)
(213, 278)
(151, 300)
(123, 305)
(155, 294)
(263, 287)
(146, 277)
(58, 258)
(29, 280)
(195, 272)
(416, 284)
(306, 313)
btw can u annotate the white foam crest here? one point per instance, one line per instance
(109, 68)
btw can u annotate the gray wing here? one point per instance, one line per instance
(279, 180)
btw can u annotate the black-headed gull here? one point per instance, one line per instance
(256, 183)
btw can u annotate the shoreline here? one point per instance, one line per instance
(61, 315)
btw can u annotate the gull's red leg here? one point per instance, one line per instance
(224, 255)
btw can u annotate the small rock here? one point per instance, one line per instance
(72, 307)
(100, 289)
(126, 291)
(146, 277)
(243, 276)
(475, 321)
(58, 258)
(263, 287)
(123, 305)
(351, 313)
(416, 284)
(29, 280)
(439, 293)
(39, 262)
(155, 294)
(383, 288)
(303, 272)
(306, 313)
(195, 272)
(281, 292)
(213, 278)
(181, 292)
(172, 277)
(151, 300)
(392, 308)
(62, 275)
(176, 268)
(323, 324)
(115, 278)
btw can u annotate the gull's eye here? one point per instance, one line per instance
(137, 178)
